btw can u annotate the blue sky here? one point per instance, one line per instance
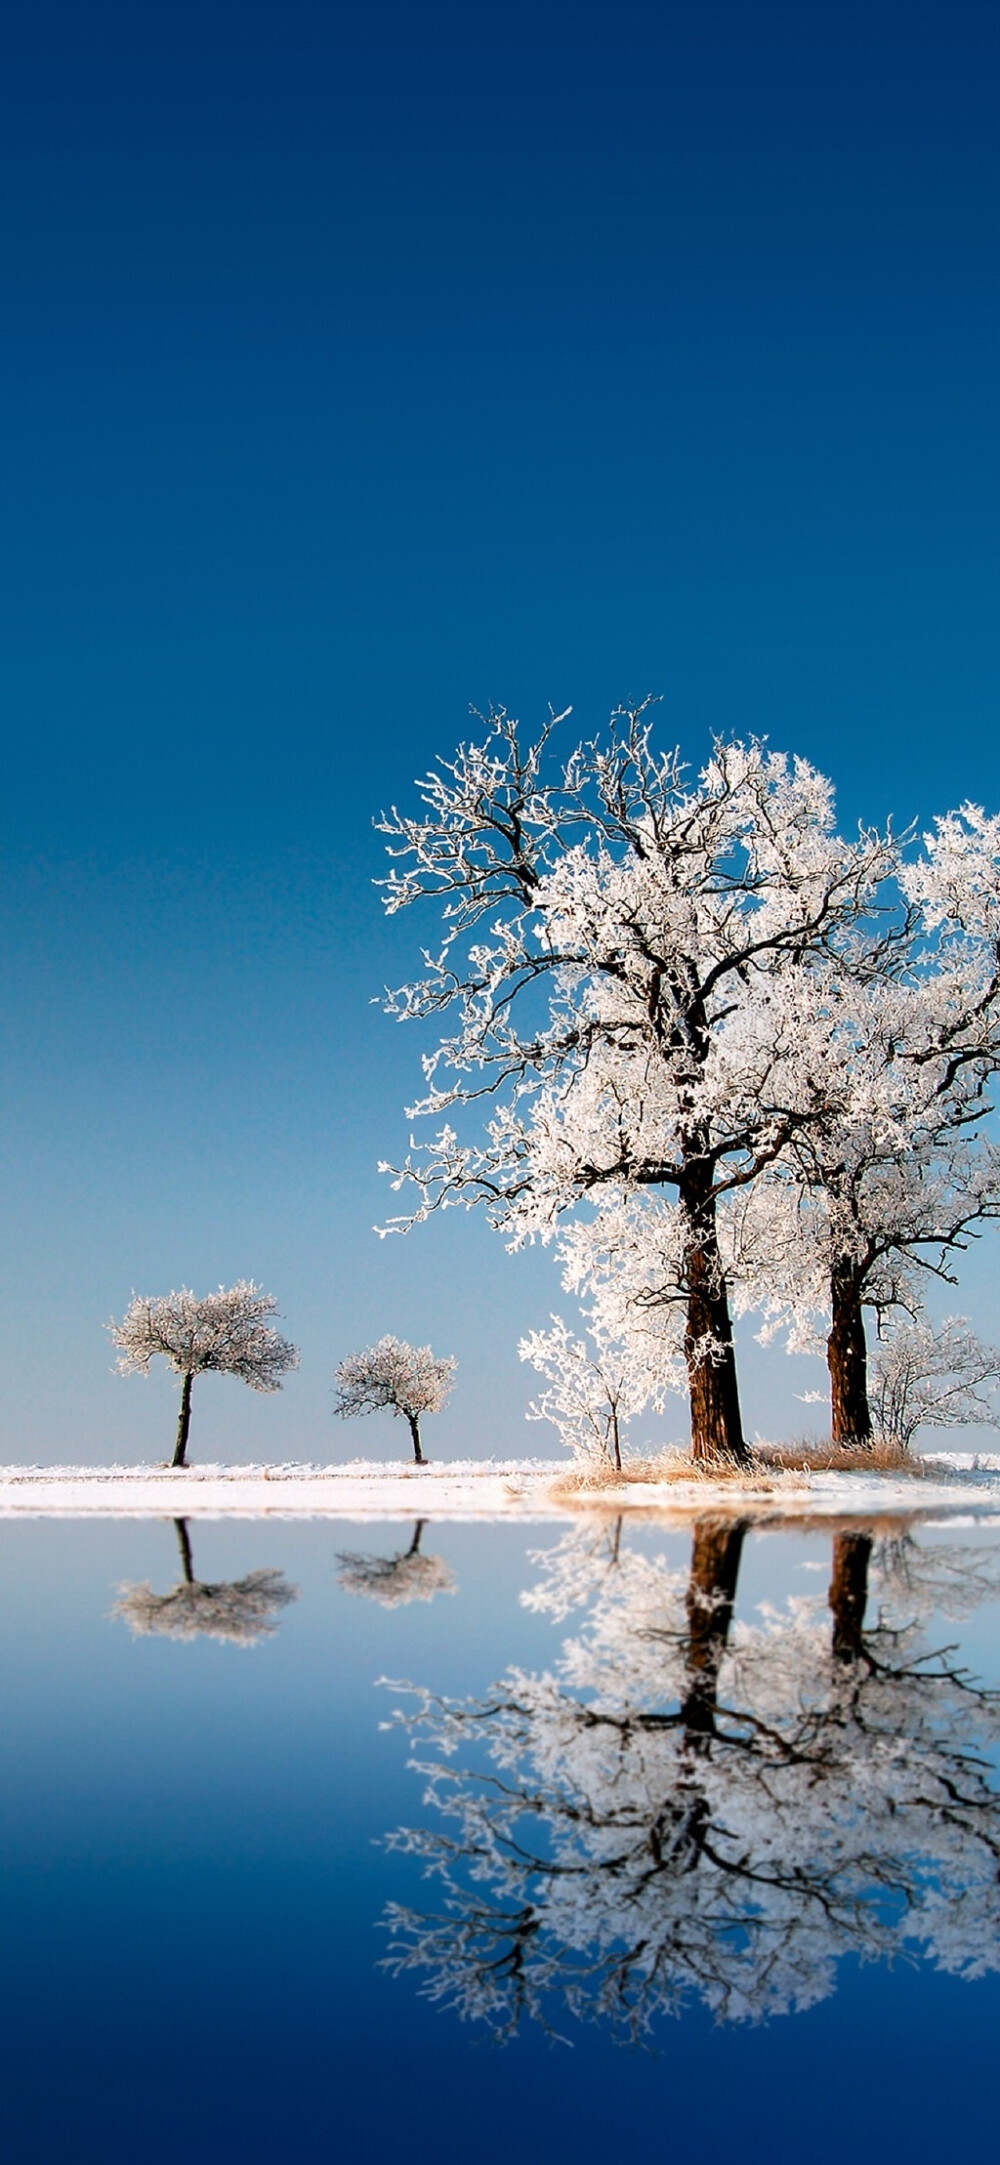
(359, 367)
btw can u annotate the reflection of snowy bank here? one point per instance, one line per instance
(478, 1488)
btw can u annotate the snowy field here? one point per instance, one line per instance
(952, 1483)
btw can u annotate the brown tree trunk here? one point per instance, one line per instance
(716, 1549)
(847, 1355)
(716, 1423)
(415, 1433)
(184, 1544)
(848, 1595)
(414, 1548)
(183, 1421)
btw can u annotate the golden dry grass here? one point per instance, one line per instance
(665, 1468)
(881, 1456)
(772, 1468)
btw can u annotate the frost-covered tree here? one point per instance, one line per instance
(593, 1392)
(687, 1809)
(393, 1581)
(895, 1171)
(240, 1611)
(226, 1333)
(832, 1261)
(624, 957)
(879, 1189)
(873, 1201)
(407, 1380)
(934, 1378)
(625, 1264)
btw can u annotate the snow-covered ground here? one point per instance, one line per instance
(955, 1482)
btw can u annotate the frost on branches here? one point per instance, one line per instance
(240, 1611)
(394, 1581)
(686, 1809)
(926, 1378)
(226, 1333)
(591, 1395)
(623, 956)
(406, 1379)
(729, 1057)
(885, 1187)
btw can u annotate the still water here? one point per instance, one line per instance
(709, 1864)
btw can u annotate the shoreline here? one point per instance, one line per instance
(471, 1489)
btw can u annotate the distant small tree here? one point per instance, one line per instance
(226, 1332)
(393, 1581)
(406, 1379)
(926, 1378)
(240, 1611)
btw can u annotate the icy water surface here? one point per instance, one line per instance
(708, 1869)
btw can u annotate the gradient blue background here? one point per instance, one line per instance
(356, 366)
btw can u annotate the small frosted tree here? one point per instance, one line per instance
(591, 1394)
(405, 1379)
(239, 1611)
(227, 1333)
(926, 1378)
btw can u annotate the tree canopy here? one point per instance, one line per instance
(726, 1056)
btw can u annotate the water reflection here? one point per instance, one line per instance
(685, 1809)
(240, 1611)
(392, 1581)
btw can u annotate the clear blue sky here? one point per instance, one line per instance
(359, 366)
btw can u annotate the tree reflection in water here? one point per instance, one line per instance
(240, 1611)
(687, 1810)
(392, 1581)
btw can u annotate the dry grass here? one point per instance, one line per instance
(772, 1468)
(598, 1476)
(881, 1456)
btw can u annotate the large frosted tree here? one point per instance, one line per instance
(883, 1187)
(887, 1170)
(624, 955)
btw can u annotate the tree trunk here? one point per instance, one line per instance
(415, 1433)
(415, 1543)
(848, 1595)
(184, 1544)
(847, 1355)
(716, 1424)
(183, 1421)
(716, 1549)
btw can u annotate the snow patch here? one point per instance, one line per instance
(480, 1489)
